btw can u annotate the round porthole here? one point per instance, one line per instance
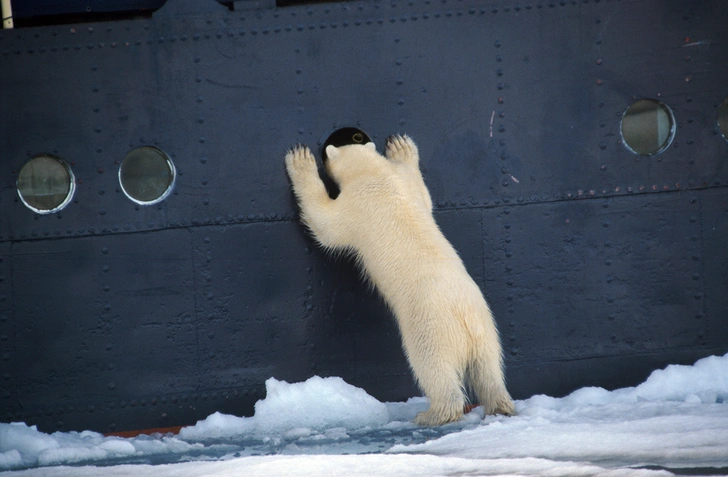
(648, 127)
(723, 118)
(46, 184)
(147, 175)
(345, 137)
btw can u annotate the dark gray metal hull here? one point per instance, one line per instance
(600, 265)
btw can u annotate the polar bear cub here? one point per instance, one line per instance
(383, 215)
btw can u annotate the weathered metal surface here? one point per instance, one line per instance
(600, 265)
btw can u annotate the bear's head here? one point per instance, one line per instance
(345, 162)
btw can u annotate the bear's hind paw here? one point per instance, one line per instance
(504, 406)
(432, 417)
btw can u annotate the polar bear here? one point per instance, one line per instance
(383, 215)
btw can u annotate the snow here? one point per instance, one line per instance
(314, 405)
(676, 420)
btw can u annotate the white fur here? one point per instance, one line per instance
(384, 215)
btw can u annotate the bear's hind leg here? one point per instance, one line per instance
(442, 384)
(486, 379)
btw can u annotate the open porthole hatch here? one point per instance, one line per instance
(341, 137)
(344, 137)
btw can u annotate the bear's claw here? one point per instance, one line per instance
(401, 148)
(300, 160)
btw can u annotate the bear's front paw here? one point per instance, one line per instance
(401, 148)
(300, 161)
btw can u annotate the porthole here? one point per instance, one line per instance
(344, 137)
(46, 184)
(723, 118)
(147, 175)
(648, 127)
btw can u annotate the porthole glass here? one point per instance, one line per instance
(723, 118)
(46, 184)
(648, 127)
(344, 137)
(147, 175)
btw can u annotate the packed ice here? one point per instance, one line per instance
(676, 421)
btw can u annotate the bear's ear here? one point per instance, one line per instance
(371, 146)
(331, 151)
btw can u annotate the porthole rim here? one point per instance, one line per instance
(166, 193)
(71, 188)
(671, 135)
(722, 106)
